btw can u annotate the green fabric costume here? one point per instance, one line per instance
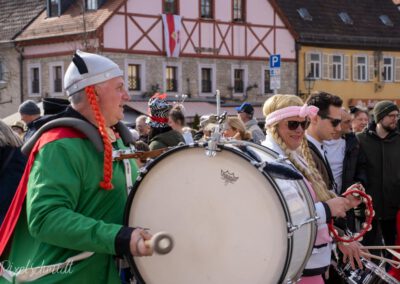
(68, 213)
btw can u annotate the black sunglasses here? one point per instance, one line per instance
(335, 122)
(293, 124)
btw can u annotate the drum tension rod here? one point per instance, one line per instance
(292, 228)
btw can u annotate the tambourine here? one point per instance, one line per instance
(366, 226)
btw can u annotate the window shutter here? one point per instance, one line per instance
(330, 64)
(355, 74)
(307, 64)
(371, 68)
(397, 69)
(381, 68)
(346, 71)
(325, 66)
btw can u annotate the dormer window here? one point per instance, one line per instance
(345, 18)
(93, 5)
(386, 20)
(304, 14)
(53, 8)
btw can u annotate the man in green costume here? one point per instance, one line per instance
(68, 210)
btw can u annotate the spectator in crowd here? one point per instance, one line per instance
(177, 122)
(359, 118)
(161, 135)
(234, 128)
(143, 128)
(30, 113)
(379, 146)
(19, 128)
(246, 113)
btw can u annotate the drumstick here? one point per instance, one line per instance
(394, 263)
(380, 247)
(161, 243)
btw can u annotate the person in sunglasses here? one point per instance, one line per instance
(287, 119)
(324, 127)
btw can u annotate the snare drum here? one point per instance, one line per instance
(231, 221)
(371, 274)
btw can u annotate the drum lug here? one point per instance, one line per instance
(293, 228)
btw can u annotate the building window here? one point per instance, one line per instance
(360, 68)
(53, 8)
(238, 10)
(206, 80)
(56, 74)
(387, 73)
(206, 10)
(314, 65)
(337, 67)
(57, 79)
(34, 80)
(171, 79)
(267, 82)
(238, 79)
(134, 77)
(170, 6)
(345, 18)
(91, 5)
(304, 14)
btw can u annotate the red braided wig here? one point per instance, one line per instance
(106, 182)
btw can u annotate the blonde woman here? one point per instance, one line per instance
(287, 118)
(235, 128)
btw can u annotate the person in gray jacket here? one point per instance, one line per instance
(245, 113)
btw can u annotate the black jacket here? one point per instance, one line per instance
(380, 168)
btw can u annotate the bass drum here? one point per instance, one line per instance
(231, 221)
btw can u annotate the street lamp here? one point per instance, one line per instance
(309, 82)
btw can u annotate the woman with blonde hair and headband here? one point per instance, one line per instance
(287, 118)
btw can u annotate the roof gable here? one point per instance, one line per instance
(16, 14)
(70, 22)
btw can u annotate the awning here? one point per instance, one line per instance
(199, 108)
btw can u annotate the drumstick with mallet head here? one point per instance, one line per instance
(161, 243)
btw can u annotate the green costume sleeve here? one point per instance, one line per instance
(65, 205)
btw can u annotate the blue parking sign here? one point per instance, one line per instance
(275, 61)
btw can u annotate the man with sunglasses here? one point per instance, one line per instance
(324, 127)
(380, 150)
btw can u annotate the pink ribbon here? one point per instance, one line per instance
(301, 111)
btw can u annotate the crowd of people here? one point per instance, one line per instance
(67, 210)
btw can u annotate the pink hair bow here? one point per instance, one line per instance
(280, 114)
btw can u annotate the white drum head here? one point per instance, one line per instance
(227, 221)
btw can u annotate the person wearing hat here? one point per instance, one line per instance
(379, 166)
(19, 128)
(245, 113)
(75, 193)
(30, 113)
(161, 134)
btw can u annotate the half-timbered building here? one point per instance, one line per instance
(191, 47)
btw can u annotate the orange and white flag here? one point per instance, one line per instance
(172, 27)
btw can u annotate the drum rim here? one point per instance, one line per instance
(142, 174)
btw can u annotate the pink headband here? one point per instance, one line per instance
(286, 112)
